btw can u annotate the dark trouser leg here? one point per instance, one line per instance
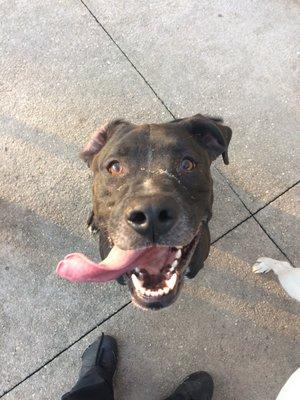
(91, 386)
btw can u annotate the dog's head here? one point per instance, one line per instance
(152, 193)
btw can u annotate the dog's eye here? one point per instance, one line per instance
(187, 164)
(115, 168)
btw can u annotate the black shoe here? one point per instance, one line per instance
(197, 386)
(103, 353)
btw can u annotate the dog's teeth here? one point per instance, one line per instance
(166, 290)
(137, 270)
(148, 292)
(160, 292)
(172, 281)
(178, 254)
(174, 264)
(179, 247)
(136, 282)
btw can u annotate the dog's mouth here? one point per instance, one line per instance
(156, 282)
(154, 274)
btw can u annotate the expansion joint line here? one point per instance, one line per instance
(254, 214)
(128, 59)
(65, 349)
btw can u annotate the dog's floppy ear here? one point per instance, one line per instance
(99, 139)
(212, 134)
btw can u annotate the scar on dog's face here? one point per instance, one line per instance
(152, 193)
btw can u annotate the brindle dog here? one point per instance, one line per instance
(153, 193)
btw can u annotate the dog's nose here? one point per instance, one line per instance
(152, 216)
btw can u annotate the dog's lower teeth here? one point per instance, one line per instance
(172, 281)
(166, 290)
(169, 284)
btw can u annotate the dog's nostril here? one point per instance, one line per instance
(164, 216)
(137, 217)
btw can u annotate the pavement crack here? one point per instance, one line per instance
(273, 241)
(276, 197)
(65, 349)
(128, 59)
(231, 229)
(253, 215)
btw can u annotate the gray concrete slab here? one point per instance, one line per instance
(240, 327)
(60, 78)
(228, 211)
(281, 220)
(234, 59)
(40, 313)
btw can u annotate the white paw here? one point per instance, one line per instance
(263, 265)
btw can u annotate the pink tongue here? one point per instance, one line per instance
(78, 268)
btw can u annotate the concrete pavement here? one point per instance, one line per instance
(66, 67)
